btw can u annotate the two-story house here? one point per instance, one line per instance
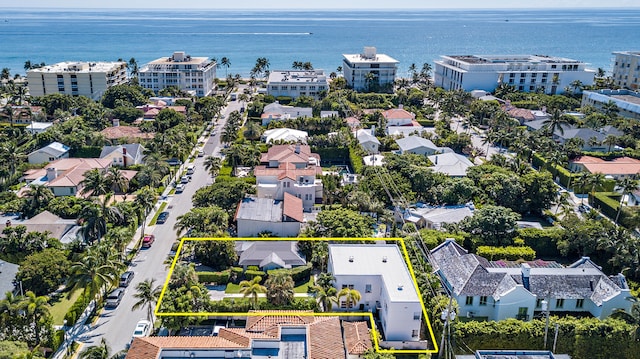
(290, 169)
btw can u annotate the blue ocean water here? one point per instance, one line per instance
(321, 37)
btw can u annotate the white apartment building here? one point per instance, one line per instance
(356, 67)
(380, 274)
(626, 69)
(191, 74)
(90, 79)
(296, 83)
(527, 73)
(627, 101)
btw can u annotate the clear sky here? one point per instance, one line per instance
(322, 4)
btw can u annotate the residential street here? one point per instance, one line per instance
(116, 325)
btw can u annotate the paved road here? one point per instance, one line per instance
(116, 325)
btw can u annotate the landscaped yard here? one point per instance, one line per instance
(232, 288)
(61, 306)
(303, 288)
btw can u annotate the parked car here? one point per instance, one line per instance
(180, 188)
(184, 179)
(148, 240)
(114, 298)
(126, 278)
(143, 329)
(201, 153)
(162, 217)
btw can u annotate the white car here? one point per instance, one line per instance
(143, 329)
(180, 188)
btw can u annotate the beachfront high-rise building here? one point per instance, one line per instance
(626, 70)
(296, 83)
(527, 73)
(369, 70)
(90, 79)
(191, 74)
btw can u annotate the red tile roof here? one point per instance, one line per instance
(397, 114)
(519, 113)
(292, 207)
(325, 337)
(356, 336)
(618, 166)
(259, 323)
(151, 347)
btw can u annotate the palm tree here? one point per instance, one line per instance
(101, 351)
(252, 131)
(326, 297)
(610, 109)
(626, 186)
(147, 296)
(556, 122)
(487, 139)
(36, 309)
(610, 140)
(595, 180)
(212, 165)
(582, 181)
(7, 111)
(117, 179)
(297, 65)
(226, 63)
(144, 202)
(96, 183)
(280, 288)
(37, 196)
(251, 289)
(325, 280)
(92, 273)
(351, 296)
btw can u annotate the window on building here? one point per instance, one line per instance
(523, 75)
(532, 88)
(538, 302)
(294, 87)
(469, 300)
(512, 75)
(343, 304)
(416, 315)
(534, 75)
(367, 288)
(415, 332)
(520, 88)
(579, 303)
(521, 81)
(483, 300)
(511, 81)
(559, 303)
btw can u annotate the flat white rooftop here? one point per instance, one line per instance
(495, 59)
(367, 260)
(76, 66)
(378, 58)
(297, 76)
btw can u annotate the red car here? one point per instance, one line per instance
(148, 240)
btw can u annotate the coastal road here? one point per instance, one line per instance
(116, 325)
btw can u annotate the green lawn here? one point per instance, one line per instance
(61, 306)
(303, 288)
(232, 288)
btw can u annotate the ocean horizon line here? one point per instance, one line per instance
(566, 8)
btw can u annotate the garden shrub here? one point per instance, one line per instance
(250, 274)
(510, 253)
(214, 277)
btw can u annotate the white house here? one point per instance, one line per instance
(90, 79)
(269, 255)
(399, 117)
(527, 73)
(191, 74)
(497, 291)
(38, 127)
(288, 135)
(367, 139)
(296, 83)
(124, 155)
(290, 169)
(357, 67)
(380, 274)
(51, 152)
(450, 163)
(417, 145)
(280, 217)
(277, 112)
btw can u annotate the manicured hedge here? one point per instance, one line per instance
(356, 160)
(606, 202)
(76, 310)
(586, 338)
(298, 274)
(214, 277)
(250, 274)
(543, 241)
(510, 253)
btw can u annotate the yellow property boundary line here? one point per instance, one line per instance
(331, 314)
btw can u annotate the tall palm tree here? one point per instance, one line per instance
(225, 62)
(351, 296)
(595, 180)
(487, 139)
(556, 122)
(92, 273)
(252, 131)
(581, 181)
(101, 351)
(626, 186)
(147, 295)
(144, 202)
(117, 179)
(280, 288)
(96, 183)
(252, 289)
(610, 140)
(37, 196)
(326, 297)
(212, 165)
(35, 307)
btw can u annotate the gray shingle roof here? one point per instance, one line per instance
(414, 142)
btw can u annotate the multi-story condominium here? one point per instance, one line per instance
(628, 102)
(527, 73)
(626, 69)
(500, 290)
(357, 67)
(380, 274)
(191, 74)
(90, 79)
(296, 83)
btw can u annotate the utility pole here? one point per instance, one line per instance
(545, 307)
(446, 315)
